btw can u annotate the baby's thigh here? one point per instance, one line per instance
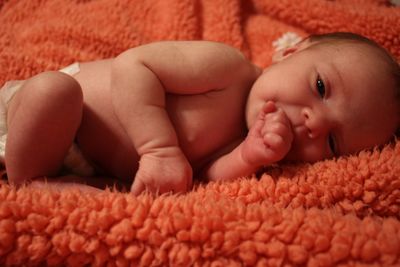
(43, 93)
(43, 117)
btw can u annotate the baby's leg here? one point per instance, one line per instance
(43, 118)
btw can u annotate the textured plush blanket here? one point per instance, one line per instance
(341, 212)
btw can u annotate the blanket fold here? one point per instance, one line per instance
(339, 212)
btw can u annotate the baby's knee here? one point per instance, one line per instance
(56, 86)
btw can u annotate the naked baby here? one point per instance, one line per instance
(160, 114)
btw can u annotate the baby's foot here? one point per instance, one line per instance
(164, 170)
(270, 138)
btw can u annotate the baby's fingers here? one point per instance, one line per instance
(276, 146)
(137, 187)
(278, 128)
(278, 123)
(267, 108)
(260, 122)
(274, 141)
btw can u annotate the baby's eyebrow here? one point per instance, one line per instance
(338, 78)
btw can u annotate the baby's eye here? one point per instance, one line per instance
(332, 144)
(320, 87)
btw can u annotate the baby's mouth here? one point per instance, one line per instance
(300, 130)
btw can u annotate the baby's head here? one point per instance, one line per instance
(340, 91)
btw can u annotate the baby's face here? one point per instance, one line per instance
(337, 98)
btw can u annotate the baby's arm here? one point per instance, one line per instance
(141, 77)
(267, 142)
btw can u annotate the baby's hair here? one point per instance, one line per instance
(388, 59)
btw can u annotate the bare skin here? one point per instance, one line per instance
(123, 136)
(160, 114)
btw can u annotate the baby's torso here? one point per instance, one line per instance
(207, 125)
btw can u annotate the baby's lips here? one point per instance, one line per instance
(300, 130)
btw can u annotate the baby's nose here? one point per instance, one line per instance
(315, 122)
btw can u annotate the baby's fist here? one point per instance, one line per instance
(270, 138)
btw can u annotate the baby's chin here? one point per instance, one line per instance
(290, 158)
(296, 155)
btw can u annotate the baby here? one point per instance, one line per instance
(160, 114)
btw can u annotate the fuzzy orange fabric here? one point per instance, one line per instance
(342, 212)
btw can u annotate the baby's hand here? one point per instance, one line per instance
(163, 170)
(270, 138)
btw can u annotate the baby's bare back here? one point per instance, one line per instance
(207, 125)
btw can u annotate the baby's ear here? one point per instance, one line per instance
(286, 52)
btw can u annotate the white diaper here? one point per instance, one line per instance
(74, 161)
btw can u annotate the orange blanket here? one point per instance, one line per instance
(342, 212)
